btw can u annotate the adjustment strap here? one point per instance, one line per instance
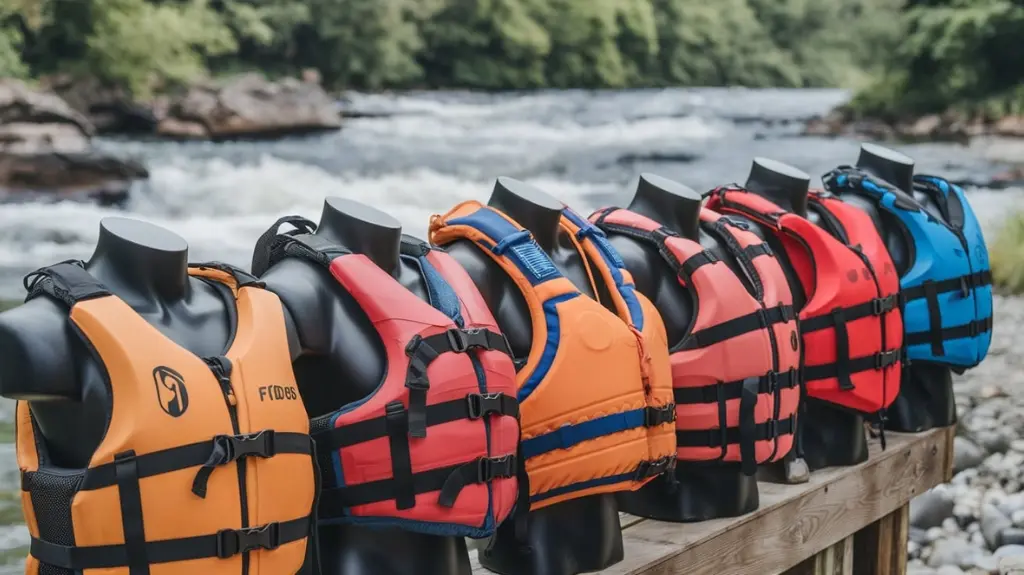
(770, 429)
(126, 472)
(397, 422)
(473, 406)
(756, 250)
(973, 328)
(934, 319)
(963, 284)
(223, 544)
(842, 350)
(264, 444)
(264, 251)
(767, 384)
(335, 502)
(196, 454)
(748, 404)
(67, 282)
(242, 277)
(483, 470)
(695, 262)
(875, 307)
(422, 351)
(877, 361)
(757, 320)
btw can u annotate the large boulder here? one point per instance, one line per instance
(250, 106)
(45, 151)
(109, 108)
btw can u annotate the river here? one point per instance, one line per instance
(416, 154)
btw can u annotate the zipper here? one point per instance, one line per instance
(221, 368)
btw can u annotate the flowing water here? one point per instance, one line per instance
(416, 154)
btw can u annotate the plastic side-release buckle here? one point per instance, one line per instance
(655, 416)
(886, 358)
(882, 305)
(231, 542)
(648, 469)
(965, 286)
(260, 444)
(482, 404)
(489, 469)
(771, 380)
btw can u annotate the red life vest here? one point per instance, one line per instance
(736, 372)
(433, 449)
(851, 324)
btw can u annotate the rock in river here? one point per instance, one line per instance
(45, 151)
(249, 106)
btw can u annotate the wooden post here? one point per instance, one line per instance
(881, 548)
(835, 560)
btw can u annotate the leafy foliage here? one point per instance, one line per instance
(1006, 255)
(145, 45)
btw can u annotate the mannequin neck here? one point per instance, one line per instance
(780, 183)
(889, 165)
(531, 208)
(140, 261)
(669, 203)
(362, 230)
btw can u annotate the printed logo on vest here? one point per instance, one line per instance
(794, 341)
(170, 391)
(852, 276)
(278, 392)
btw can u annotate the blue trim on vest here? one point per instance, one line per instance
(939, 255)
(581, 485)
(440, 294)
(547, 358)
(569, 435)
(513, 243)
(613, 261)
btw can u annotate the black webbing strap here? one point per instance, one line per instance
(934, 319)
(724, 391)
(270, 241)
(972, 328)
(422, 351)
(126, 473)
(770, 429)
(748, 405)
(842, 364)
(242, 277)
(695, 262)
(963, 284)
(230, 448)
(757, 250)
(721, 231)
(653, 468)
(334, 502)
(397, 423)
(877, 361)
(67, 282)
(754, 321)
(877, 306)
(473, 406)
(195, 454)
(223, 544)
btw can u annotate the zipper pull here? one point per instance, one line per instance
(221, 368)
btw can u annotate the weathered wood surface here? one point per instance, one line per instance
(881, 548)
(794, 522)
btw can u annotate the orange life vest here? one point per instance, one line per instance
(736, 372)
(433, 448)
(851, 324)
(206, 463)
(585, 413)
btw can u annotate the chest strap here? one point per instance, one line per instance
(754, 321)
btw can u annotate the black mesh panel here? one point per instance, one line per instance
(51, 501)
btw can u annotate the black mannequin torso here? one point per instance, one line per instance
(828, 435)
(703, 491)
(926, 390)
(43, 361)
(579, 535)
(342, 360)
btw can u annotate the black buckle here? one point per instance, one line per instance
(481, 404)
(762, 318)
(772, 427)
(655, 416)
(882, 305)
(772, 379)
(462, 340)
(965, 286)
(260, 444)
(886, 358)
(231, 542)
(489, 469)
(974, 328)
(413, 345)
(648, 469)
(787, 312)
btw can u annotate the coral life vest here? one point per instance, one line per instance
(433, 449)
(947, 290)
(850, 324)
(736, 372)
(206, 463)
(585, 411)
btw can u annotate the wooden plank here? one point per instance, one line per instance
(881, 548)
(794, 522)
(835, 560)
(950, 436)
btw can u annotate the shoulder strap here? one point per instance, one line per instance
(440, 293)
(744, 257)
(656, 235)
(941, 191)
(67, 282)
(241, 277)
(301, 242)
(849, 179)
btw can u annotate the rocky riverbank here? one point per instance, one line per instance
(975, 522)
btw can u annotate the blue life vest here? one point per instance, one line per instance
(947, 291)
